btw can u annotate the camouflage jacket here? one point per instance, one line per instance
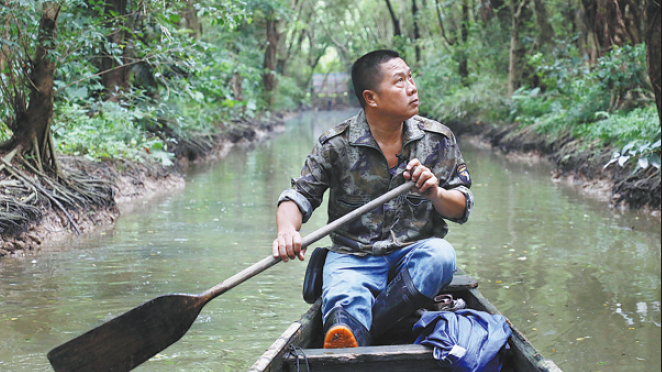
(348, 161)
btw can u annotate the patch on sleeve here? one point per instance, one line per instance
(463, 173)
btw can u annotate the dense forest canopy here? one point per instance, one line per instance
(117, 78)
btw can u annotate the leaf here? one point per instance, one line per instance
(642, 162)
(623, 159)
(612, 161)
(654, 160)
(656, 144)
(627, 147)
(603, 114)
(251, 104)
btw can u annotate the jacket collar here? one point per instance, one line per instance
(359, 131)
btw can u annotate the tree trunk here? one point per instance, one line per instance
(654, 50)
(417, 33)
(33, 128)
(441, 24)
(191, 20)
(516, 50)
(270, 59)
(634, 20)
(394, 19)
(4, 49)
(544, 27)
(604, 19)
(463, 69)
(289, 42)
(503, 12)
(587, 40)
(115, 80)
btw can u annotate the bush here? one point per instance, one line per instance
(111, 132)
(444, 97)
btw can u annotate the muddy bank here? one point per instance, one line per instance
(576, 162)
(37, 210)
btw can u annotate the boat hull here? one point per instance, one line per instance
(300, 345)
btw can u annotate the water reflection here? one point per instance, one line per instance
(581, 281)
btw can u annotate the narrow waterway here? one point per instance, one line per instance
(580, 280)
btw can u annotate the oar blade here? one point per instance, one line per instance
(125, 342)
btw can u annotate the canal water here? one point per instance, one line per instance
(580, 280)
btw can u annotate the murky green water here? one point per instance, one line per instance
(581, 281)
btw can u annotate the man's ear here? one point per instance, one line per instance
(370, 97)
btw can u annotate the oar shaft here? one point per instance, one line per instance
(309, 239)
(324, 231)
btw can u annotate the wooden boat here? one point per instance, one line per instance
(300, 346)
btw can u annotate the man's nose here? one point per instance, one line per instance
(412, 87)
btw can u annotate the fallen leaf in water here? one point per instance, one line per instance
(521, 258)
(498, 282)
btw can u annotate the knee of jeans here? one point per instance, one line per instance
(356, 300)
(432, 266)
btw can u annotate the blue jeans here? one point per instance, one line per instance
(353, 282)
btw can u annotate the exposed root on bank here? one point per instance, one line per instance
(28, 190)
(46, 200)
(639, 191)
(575, 160)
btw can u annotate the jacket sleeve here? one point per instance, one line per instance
(308, 189)
(459, 180)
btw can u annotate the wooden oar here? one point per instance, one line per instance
(135, 336)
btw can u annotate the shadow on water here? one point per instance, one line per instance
(580, 280)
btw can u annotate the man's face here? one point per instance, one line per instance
(397, 94)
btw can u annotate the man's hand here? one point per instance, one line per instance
(449, 203)
(426, 182)
(288, 246)
(288, 243)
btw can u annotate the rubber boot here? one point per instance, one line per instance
(396, 302)
(342, 330)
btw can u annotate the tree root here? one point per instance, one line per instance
(16, 173)
(27, 189)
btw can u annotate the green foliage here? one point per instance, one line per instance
(110, 132)
(289, 94)
(443, 95)
(191, 83)
(574, 94)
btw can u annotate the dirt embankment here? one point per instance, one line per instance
(29, 220)
(577, 162)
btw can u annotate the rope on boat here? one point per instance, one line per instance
(295, 350)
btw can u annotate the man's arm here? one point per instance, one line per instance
(288, 243)
(448, 203)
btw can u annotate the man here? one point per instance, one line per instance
(392, 260)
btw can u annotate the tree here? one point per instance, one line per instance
(116, 51)
(653, 50)
(417, 33)
(30, 125)
(270, 57)
(516, 49)
(396, 22)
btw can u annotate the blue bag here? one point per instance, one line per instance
(465, 340)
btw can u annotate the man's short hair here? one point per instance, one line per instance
(366, 74)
